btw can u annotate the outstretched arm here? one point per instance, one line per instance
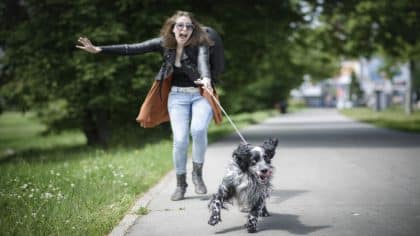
(121, 49)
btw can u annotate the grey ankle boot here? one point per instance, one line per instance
(181, 188)
(197, 178)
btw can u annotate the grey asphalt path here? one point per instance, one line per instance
(333, 176)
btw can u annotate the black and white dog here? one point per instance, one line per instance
(248, 181)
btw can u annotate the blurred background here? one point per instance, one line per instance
(72, 157)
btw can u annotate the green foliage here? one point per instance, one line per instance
(268, 48)
(364, 27)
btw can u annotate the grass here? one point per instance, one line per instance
(392, 118)
(23, 131)
(56, 185)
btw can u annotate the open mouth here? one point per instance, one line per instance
(265, 176)
(183, 36)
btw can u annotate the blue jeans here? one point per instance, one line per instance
(188, 112)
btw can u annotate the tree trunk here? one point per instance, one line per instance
(95, 127)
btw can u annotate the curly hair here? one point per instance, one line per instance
(198, 36)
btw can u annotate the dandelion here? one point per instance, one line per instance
(58, 174)
(24, 186)
(72, 185)
(30, 195)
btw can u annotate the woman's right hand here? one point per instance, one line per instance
(87, 45)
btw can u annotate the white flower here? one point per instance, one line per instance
(24, 186)
(47, 195)
(72, 185)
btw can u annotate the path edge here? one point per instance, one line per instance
(129, 219)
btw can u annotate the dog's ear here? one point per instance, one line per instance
(242, 156)
(269, 146)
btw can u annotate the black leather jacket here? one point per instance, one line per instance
(195, 61)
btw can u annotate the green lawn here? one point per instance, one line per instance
(393, 118)
(56, 185)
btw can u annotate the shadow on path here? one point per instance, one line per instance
(285, 222)
(275, 221)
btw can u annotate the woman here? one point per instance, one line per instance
(181, 91)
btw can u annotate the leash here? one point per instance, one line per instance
(224, 112)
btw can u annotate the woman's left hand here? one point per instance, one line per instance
(206, 83)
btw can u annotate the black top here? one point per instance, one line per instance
(181, 79)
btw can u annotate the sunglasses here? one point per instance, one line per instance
(181, 25)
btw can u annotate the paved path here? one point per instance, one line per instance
(333, 176)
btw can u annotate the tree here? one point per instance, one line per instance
(362, 28)
(43, 69)
(98, 93)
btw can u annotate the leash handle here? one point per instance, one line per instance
(224, 112)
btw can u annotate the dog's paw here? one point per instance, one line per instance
(252, 228)
(214, 219)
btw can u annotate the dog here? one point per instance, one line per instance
(248, 180)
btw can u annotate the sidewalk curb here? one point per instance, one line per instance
(129, 219)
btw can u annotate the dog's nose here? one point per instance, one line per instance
(264, 171)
